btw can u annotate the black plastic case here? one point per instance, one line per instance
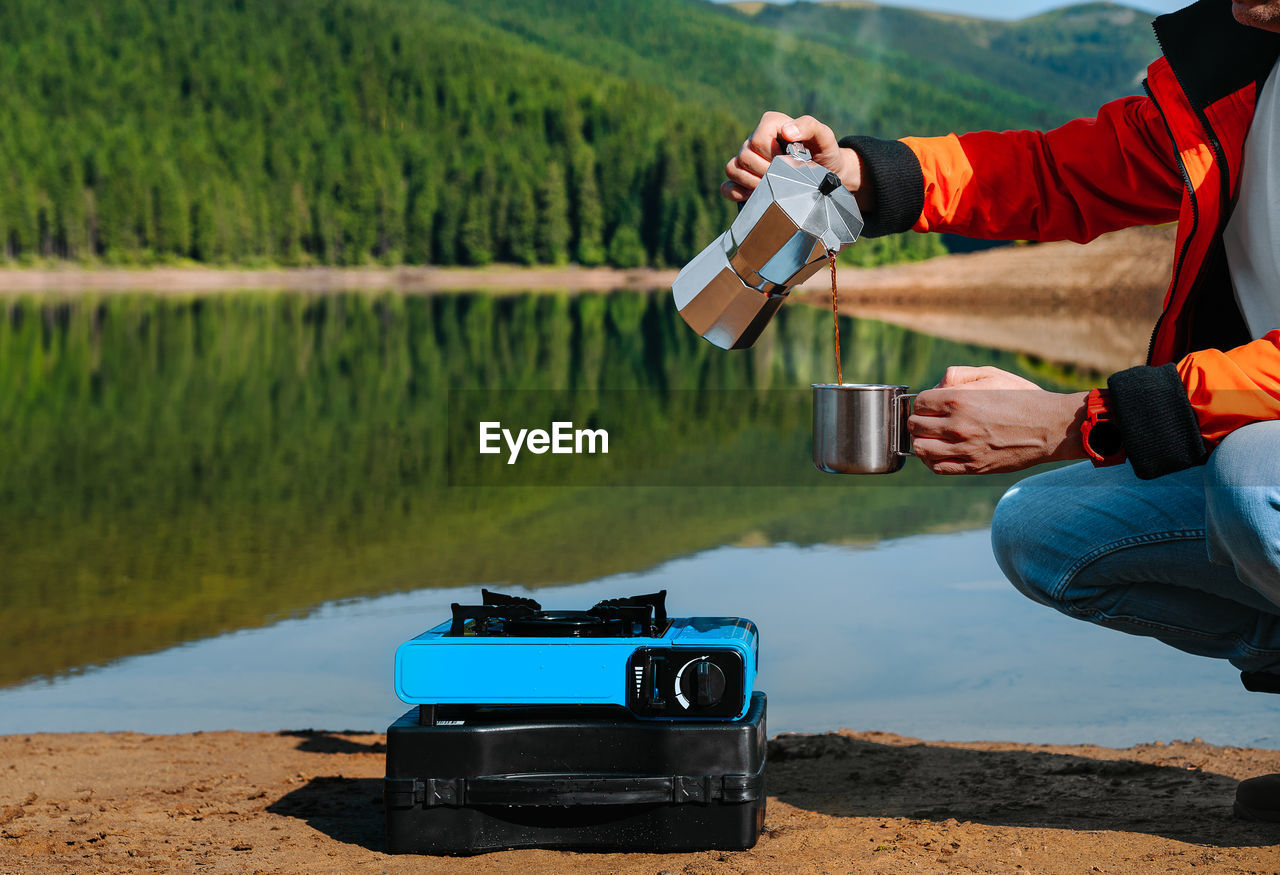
(493, 778)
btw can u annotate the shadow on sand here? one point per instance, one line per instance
(851, 777)
(348, 810)
(322, 741)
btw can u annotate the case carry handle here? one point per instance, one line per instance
(576, 789)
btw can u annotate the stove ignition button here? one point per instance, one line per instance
(648, 692)
(701, 683)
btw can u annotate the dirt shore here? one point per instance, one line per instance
(1091, 306)
(324, 280)
(849, 801)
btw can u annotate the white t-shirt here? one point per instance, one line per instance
(1252, 236)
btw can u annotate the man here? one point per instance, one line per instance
(1173, 530)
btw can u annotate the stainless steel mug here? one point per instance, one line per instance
(860, 428)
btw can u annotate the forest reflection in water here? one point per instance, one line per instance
(174, 468)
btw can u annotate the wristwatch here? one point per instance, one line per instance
(1099, 432)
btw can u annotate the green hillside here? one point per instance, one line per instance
(437, 131)
(338, 132)
(715, 56)
(1073, 59)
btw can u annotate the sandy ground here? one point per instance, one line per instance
(861, 802)
(1091, 306)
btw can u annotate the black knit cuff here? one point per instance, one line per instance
(894, 173)
(1158, 426)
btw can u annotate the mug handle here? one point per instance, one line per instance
(907, 400)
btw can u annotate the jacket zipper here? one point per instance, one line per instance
(1195, 216)
(1223, 175)
(1214, 143)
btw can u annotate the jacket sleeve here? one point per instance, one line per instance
(1231, 389)
(1075, 182)
(1172, 416)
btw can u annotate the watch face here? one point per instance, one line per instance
(1104, 438)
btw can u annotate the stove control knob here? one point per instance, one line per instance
(702, 683)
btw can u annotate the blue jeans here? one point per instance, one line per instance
(1192, 558)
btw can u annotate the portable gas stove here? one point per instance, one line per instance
(526, 732)
(624, 652)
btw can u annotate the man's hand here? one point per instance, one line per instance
(746, 169)
(985, 420)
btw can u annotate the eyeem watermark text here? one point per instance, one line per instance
(563, 438)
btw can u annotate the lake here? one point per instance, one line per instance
(226, 511)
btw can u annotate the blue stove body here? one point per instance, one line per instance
(693, 668)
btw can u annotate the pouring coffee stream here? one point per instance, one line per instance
(798, 217)
(835, 316)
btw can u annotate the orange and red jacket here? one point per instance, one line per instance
(1171, 154)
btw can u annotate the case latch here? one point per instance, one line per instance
(408, 792)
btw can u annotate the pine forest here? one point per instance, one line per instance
(441, 132)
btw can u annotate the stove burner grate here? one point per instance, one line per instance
(516, 616)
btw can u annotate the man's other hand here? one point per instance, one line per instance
(747, 168)
(985, 421)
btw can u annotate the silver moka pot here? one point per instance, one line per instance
(798, 214)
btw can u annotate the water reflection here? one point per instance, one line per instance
(918, 635)
(178, 468)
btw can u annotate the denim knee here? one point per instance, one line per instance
(1242, 506)
(1015, 541)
